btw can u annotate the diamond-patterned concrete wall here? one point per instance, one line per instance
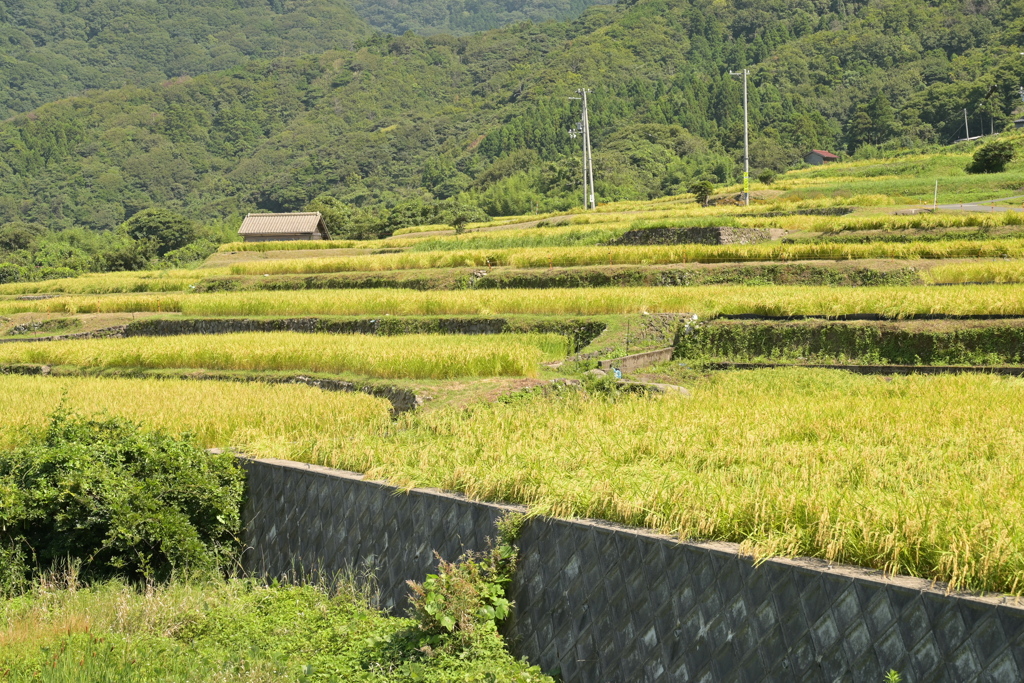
(602, 604)
(303, 520)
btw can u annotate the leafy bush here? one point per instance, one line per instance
(466, 599)
(121, 500)
(992, 157)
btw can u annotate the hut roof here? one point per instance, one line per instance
(283, 224)
(824, 154)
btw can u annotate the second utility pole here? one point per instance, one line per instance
(746, 137)
(588, 158)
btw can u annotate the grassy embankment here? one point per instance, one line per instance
(743, 460)
(707, 301)
(916, 343)
(224, 632)
(395, 357)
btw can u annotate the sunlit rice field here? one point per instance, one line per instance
(914, 475)
(635, 255)
(103, 283)
(1000, 272)
(407, 356)
(706, 301)
(272, 420)
(919, 475)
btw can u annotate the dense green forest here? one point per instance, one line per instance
(458, 17)
(482, 120)
(55, 48)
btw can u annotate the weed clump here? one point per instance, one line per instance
(465, 601)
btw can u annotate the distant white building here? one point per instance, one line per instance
(817, 157)
(281, 227)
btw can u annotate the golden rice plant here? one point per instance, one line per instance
(407, 356)
(636, 255)
(272, 420)
(706, 301)
(1003, 271)
(917, 475)
(104, 283)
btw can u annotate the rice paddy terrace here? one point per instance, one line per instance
(879, 423)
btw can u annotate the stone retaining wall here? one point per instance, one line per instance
(596, 602)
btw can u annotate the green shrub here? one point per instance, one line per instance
(466, 600)
(992, 157)
(121, 500)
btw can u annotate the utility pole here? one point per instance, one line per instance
(746, 137)
(588, 158)
(574, 132)
(967, 128)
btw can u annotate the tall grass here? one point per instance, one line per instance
(225, 631)
(640, 255)
(407, 356)
(707, 301)
(271, 420)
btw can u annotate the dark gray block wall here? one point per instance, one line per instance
(599, 603)
(304, 520)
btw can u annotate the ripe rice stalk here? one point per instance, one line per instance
(637, 255)
(706, 301)
(286, 419)
(407, 356)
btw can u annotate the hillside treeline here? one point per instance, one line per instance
(483, 119)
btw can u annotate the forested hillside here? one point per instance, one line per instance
(484, 118)
(427, 17)
(55, 48)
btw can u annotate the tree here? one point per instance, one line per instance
(701, 190)
(992, 157)
(165, 229)
(767, 177)
(19, 235)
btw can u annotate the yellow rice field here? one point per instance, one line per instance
(274, 420)
(642, 255)
(918, 475)
(417, 356)
(706, 301)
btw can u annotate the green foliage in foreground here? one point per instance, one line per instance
(229, 632)
(118, 499)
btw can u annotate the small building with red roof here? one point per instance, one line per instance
(817, 157)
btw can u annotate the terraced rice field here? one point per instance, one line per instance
(407, 356)
(911, 474)
(706, 301)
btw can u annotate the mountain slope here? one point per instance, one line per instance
(485, 117)
(458, 17)
(54, 48)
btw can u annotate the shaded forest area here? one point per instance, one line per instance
(404, 126)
